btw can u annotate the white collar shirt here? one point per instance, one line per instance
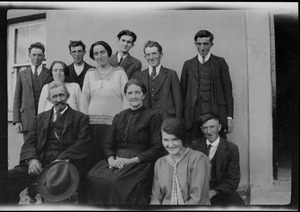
(206, 57)
(213, 148)
(157, 69)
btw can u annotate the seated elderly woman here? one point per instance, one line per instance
(59, 71)
(182, 176)
(131, 149)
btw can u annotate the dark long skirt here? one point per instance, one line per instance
(130, 185)
(99, 134)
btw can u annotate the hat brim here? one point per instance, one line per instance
(67, 193)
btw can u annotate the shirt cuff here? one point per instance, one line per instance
(229, 118)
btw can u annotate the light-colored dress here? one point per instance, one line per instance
(193, 174)
(73, 101)
(103, 98)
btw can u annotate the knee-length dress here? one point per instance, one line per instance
(134, 133)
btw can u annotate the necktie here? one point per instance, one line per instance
(120, 61)
(203, 60)
(58, 115)
(207, 150)
(153, 74)
(35, 71)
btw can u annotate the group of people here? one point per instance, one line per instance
(136, 137)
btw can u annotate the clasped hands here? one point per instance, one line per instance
(120, 162)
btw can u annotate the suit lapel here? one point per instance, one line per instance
(161, 78)
(221, 153)
(114, 59)
(126, 62)
(145, 79)
(194, 66)
(69, 119)
(27, 74)
(44, 75)
(47, 120)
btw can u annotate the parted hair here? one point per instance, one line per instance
(102, 43)
(175, 127)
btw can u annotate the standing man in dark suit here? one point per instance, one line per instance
(28, 89)
(131, 65)
(224, 159)
(206, 87)
(58, 134)
(163, 88)
(79, 67)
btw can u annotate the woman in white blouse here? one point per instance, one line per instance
(102, 96)
(59, 72)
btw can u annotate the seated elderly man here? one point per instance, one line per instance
(55, 135)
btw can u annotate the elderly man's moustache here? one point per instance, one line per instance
(57, 103)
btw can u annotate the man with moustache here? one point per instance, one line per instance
(57, 134)
(122, 58)
(79, 67)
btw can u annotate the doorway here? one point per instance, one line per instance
(285, 110)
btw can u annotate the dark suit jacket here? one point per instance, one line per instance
(227, 163)
(76, 136)
(24, 108)
(221, 99)
(73, 77)
(130, 64)
(168, 95)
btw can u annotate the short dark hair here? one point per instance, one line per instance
(206, 117)
(102, 43)
(74, 43)
(137, 83)
(65, 68)
(129, 33)
(204, 34)
(37, 45)
(175, 127)
(151, 43)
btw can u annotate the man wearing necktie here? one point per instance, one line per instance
(28, 88)
(122, 58)
(206, 87)
(224, 159)
(163, 88)
(52, 138)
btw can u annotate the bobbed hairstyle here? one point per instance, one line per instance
(102, 43)
(175, 127)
